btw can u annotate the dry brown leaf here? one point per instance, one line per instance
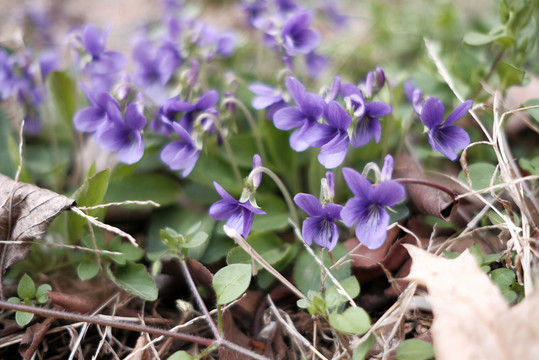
(471, 318)
(25, 214)
(428, 200)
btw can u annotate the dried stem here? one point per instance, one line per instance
(199, 300)
(76, 317)
(251, 122)
(98, 223)
(428, 183)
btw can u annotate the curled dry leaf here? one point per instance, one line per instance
(471, 318)
(428, 200)
(370, 264)
(25, 214)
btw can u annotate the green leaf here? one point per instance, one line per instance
(171, 238)
(7, 164)
(90, 193)
(509, 295)
(414, 349)
(531, 166)
(23, 318)
(307, 271)
(353, 320)
(181, 355)
(41, 293)
(503, 277)
(316, 304)
(450, 254)
(360, 353)
(63, 94)
(135, 279)
(333, 296)
(131, 252)
(87, 270)
(480, 175)
(243, 147)
(231, 282)
(509, 74)
(210, 168)
(196, 240)
(163, 189)
(267, 244)
(497, 34)
(26, 288)
(534, 113)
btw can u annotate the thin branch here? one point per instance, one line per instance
(127, 202)
(99, 224)
(199, 300)
(102, 321)
(234, 235)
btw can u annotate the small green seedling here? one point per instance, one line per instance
(29, 295)
(353, 320)
(503, 277)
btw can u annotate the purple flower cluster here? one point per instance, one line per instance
(159, 88)
(286, 29)
(22, 77)
(103, 68)
(239, 214)
(112, 130)
(326, 123)
(366, 211)
(443, 137)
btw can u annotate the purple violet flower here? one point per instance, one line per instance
(367, 114)
(444, 137)
(315, 64)
(297, 37)
(155, 65)
(103, 107)
(104, 67)
(103, 62)
(374, 81)
(267, 98)
(7, 78)
(413, 95)
(304, 116)
(181, 154)
(238, 215)
(334, 135)
(321, 225)
(205, 103)
(124, 137)
(366, 210)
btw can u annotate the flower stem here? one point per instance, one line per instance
(251, 122)
(228, 149)
(431, 184)
(281, 186)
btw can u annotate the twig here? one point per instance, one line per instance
(98, 223)
(75, 247)
(342, 291)
(292, 330)
(127, 202)
(102, 321)
(199, 300)
(234, 235)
